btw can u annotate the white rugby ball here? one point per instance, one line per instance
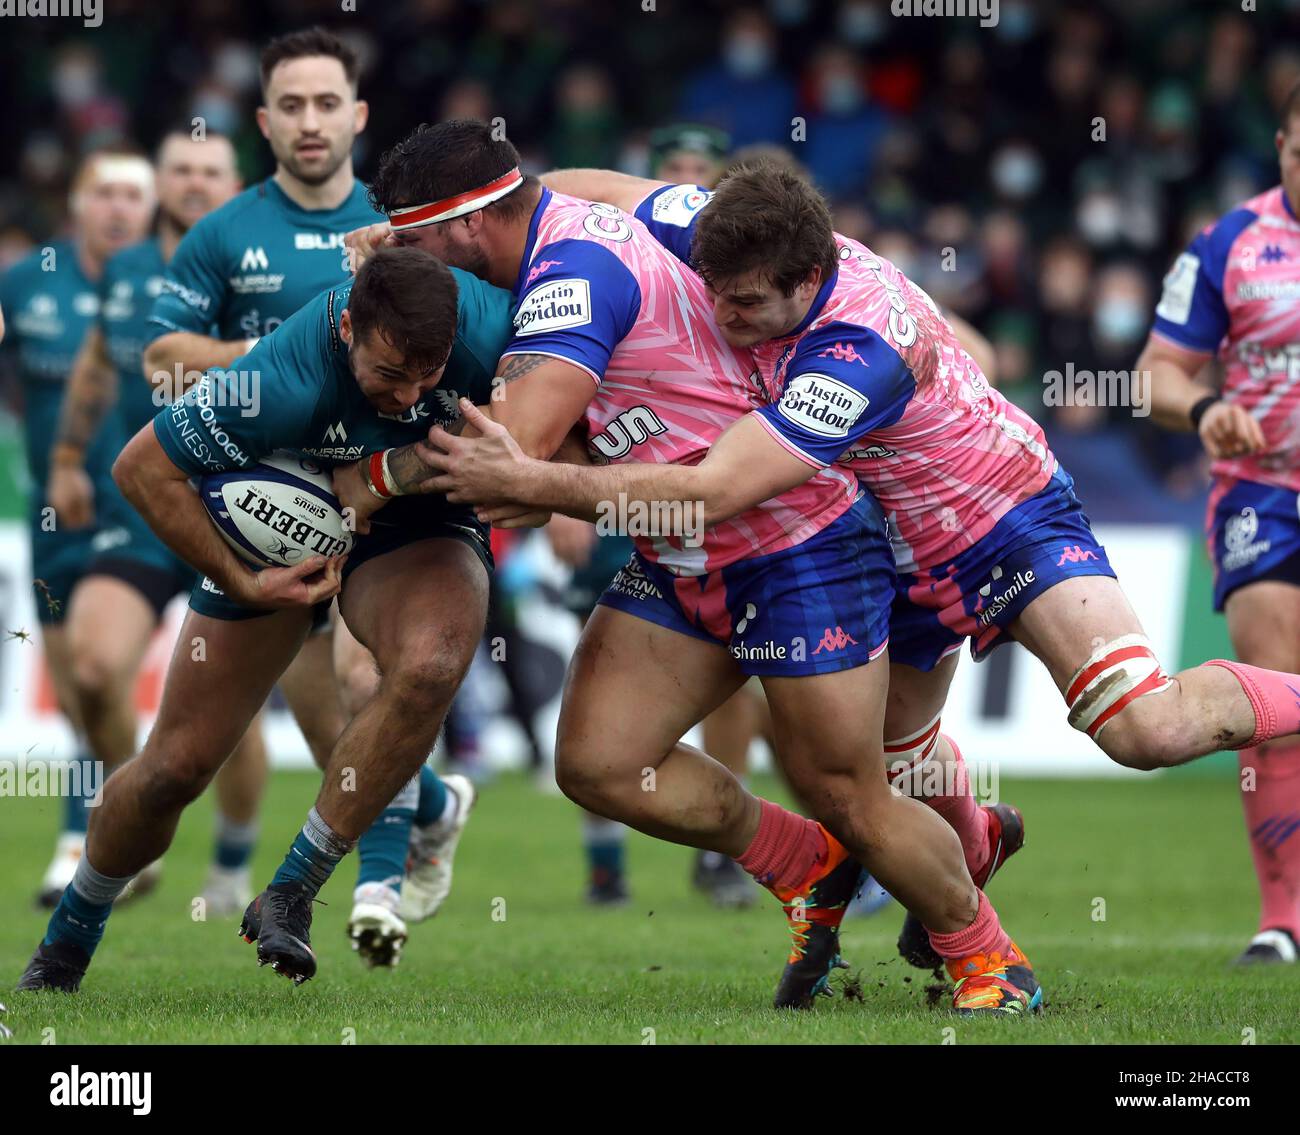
(278, 512)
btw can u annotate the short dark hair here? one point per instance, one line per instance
(765, 217)
(435, 162)
(307, 42)
(1290, 108)
(407, 297)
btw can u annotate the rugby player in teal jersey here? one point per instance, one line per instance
(51, 298)
(119, 601)
(379, 361)
(238, 274)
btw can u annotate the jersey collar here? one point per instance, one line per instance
(531, 242)
(1286, 204)
(819, 302)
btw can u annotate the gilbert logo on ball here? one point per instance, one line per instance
(278, 512)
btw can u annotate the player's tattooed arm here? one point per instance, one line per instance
(90, 394)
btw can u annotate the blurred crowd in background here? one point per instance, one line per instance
(1037, 176)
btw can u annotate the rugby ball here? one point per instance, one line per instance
(277, 513)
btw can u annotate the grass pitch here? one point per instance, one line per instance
(1131, 899)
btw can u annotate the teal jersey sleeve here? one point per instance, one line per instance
(267, 400)
(483, 328)
(194, 287)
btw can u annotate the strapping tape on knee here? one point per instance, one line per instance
(1117, 673)
(909, 754)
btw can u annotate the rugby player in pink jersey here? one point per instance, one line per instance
(1235, 294)
(614, 333)
(991, 542)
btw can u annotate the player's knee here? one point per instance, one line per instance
(584, 780)
(97, 678)
(173, 777)
(358, 681)
(424, 680)
(1143, 740)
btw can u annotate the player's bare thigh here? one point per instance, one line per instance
(829, 739)
(1064, 625)
(109, 627)
(220, 674)
(1264, 624)
(632, 690)
(917, 697)
(421, 607)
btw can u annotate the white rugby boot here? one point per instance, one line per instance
(67, 854)
(228, 890)
(429, 860)
(375, 928)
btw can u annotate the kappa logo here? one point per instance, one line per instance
(833, 640)
(336, 433)
(1273, 254)
(1075, 555)
(844, 352)
(254, 260)
(540, 267)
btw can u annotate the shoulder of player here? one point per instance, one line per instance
(215, 227)
(133, 259)
(845, 347)
(1215, 242)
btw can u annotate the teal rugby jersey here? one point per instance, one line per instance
(47, 314)
(249, 265)
(132, 281)
(307, 400)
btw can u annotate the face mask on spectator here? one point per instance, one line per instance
(1017, 172)
(841, 94)
(1100, 218)
(74, 82)
(218, 113)
(860, 24)
(1119, 321)
(747, 56)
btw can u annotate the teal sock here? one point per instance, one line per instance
(83, 780)
(433, 798)
(382, 847)
(605, 843)
(83, 910)
(235, 843)
(313, 855)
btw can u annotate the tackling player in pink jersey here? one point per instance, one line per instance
(992, 542)
(1235, 294)
(613, 331)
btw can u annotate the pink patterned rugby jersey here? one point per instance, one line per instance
(874, 379)
(596, 290)
(1235, 292)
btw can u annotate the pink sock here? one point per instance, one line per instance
(983, 936)
(1274, 696)
(957, 805)
(784, 848)
(1273, 823)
